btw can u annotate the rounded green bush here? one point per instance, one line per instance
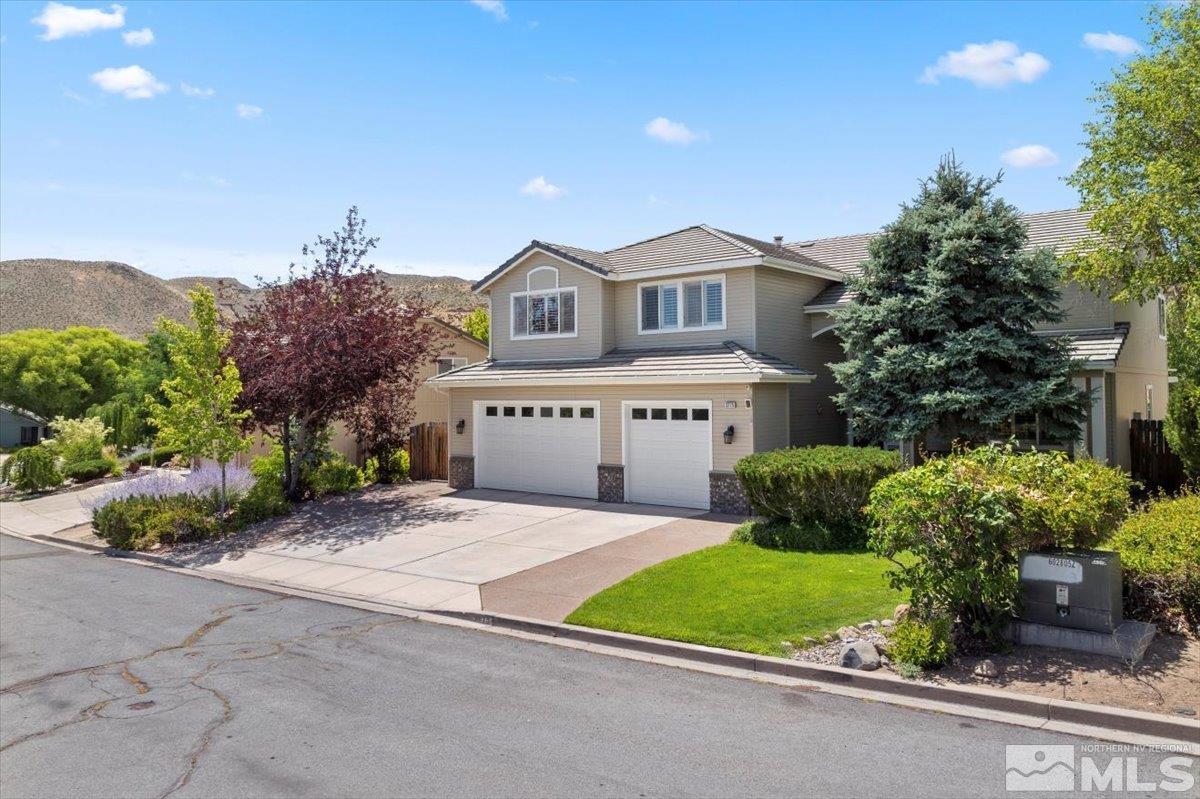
(90, 470)
(824, 487)
(968, 517)
(139, 523)
(154, 457)
(31, 469)
(924, 644)
(1160, 560)
(336, 476)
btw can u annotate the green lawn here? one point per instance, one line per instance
(742, 596)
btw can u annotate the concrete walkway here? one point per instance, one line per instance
(50, 514)
(552, 590)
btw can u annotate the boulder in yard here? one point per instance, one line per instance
(987, 669)
(901, 611)
(859, 655)
(847, 633)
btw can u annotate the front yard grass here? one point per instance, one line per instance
(742, 596)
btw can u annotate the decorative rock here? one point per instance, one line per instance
(859, 655)
(810, 641)
(901, 611)
(880, 648)
(886, 623)
(847, 633)
(987, 669)
(867, 625)
(827, 638)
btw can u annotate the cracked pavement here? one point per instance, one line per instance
(121, 680)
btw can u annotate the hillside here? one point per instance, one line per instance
(53, 293)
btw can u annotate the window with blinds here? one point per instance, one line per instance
(681, 305)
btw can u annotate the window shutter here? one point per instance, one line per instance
(670, 306)
(568, 312)
(650, 308)
(712, 303)
(520, 320)
(693, 310)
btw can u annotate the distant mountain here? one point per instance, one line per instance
(53, 293)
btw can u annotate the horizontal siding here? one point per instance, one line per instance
(784, 330)
(814, 417)
(739, 315)
(610, 397)
(1084, 309)
(586, 344)
(770, 418)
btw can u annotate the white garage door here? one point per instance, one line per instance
(551, 448)
(668, 452)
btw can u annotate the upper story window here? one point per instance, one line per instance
(548, 312)
(681, 305)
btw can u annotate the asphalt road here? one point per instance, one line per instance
(120, 680)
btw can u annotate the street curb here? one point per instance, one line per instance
(1076, 718)
(1039, 709)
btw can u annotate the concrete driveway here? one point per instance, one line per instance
(438, 552)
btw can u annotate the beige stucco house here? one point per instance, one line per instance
(643, 373)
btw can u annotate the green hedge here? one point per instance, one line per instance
(140, 523)
(90, 469)
(336, 476)
(821, 487)
(160, 456)
(1160, 558)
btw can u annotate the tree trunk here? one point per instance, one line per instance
(383, 466)
(295, 490)
(286, 441)
(224, 494)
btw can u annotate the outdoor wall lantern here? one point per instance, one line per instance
(729, 434)
(461, 426)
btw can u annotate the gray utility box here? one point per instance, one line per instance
(1075, 588)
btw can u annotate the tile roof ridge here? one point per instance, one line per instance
(733, 239)
(651, 238)
(743, 356)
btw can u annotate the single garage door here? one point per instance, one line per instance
(668, 452)
(551, 448)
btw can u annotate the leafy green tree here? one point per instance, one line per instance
(199, 417)
(1141, 175)
(126, 414)
(1182, 427)
(477, 324)
(941, 335)
(65, 372)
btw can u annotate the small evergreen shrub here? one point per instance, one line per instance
(822, 487)
(83, 471)
(154, 457)
(967, 518)
(397, 473)
(336, 476)
(140, 523)
(31, 469)
(1160, 560)
(926, 645)
(264, 501)
(782, 534)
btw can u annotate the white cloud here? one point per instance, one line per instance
(195, 91)
(1030, 155)
(540, 187)
(247, 111)
(1111, 43)
(664, 129)
(61, 21)
(494, 7)
(138, 38)
(211, 180)
(561, 79)
(993, 65)
(71, 94)
(133, 82)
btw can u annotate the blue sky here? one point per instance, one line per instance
(463, 130)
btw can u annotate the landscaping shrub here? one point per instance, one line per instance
(967, 518)
(336, 476)
(926, 644)
(142, 522)
(31, 469)
(263, 501)
(78, 440)
(399, 467)
(83, 471)
(783, 534)
(1160, 558)
(821, 487)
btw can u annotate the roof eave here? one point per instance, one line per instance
(493, 382)
(825, 272)
(537, 246)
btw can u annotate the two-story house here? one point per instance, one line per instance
(643, 373)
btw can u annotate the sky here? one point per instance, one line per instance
(217, 138)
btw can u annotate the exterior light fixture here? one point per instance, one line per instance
(729, 434)
(461, 426)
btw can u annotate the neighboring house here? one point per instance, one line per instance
(643, 373)
(19, 427)
(461, 348)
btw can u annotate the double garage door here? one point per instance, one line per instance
(554, 448)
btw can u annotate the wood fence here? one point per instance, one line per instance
(428, 453)
(1150, 459)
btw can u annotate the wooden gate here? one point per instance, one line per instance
(428, 456)
(1150, 459)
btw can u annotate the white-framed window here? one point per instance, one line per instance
(1162, 316)
(676, 305)
(448, 362)
(543, 314)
